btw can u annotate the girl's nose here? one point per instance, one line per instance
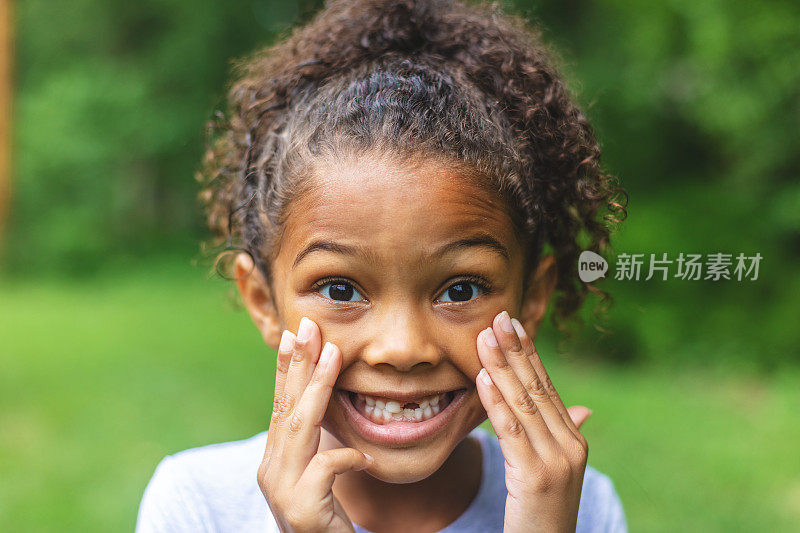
(400, 339)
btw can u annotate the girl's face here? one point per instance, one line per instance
(401, 266)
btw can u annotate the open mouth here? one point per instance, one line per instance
(399, 421)
(382, 410)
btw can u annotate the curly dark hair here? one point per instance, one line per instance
(434, 78)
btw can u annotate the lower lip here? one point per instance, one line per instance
(396, 432)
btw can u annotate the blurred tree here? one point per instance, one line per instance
(698, 107)
(697, 104)
(6, 54)
(112, 100)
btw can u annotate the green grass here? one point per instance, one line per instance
(101, 379)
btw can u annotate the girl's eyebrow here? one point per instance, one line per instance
(480, 240)
(328, 246)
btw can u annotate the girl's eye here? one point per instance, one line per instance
(462, 291)
(341, 291)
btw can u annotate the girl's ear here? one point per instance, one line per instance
(540, 289)
(258, 299)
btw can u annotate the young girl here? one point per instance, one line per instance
(404, 178)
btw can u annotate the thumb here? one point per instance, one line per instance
(317, 480)
(579, 414)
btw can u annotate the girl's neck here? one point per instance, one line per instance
(428, 505)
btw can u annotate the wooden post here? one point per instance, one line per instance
(6, 92)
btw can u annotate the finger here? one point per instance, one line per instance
(316, 482)
(279, 407)
(303, 429)
(518, 355)
(514, 441)
(304, 358)
(579, 414)
(284, 358)
(537, 364)
(516, 397)
(282, 406)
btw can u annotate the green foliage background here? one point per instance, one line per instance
(696, 102)
(106, 367)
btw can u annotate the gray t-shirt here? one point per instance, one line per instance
(214, 488)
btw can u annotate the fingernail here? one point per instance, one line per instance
(505, 322)
(485, 377)
(287, 341)
(489, 339)
(327, 352)
(518, 327)
(305, 330)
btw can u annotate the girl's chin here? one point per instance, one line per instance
(400, 468)
(397, 465)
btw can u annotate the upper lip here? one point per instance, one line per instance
(404, 395)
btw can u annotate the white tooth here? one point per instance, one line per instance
(428, 412)
(435, 400)
(369, 409)
(393, 406)
(418, 413)
(370, 400)
(380, 404)
(386, 414)
(435, 409)
(423, 404)
(408, 413)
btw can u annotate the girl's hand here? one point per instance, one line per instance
(545, 454)
(296, 480)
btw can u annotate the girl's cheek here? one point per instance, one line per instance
(332, 318)
(463, 350)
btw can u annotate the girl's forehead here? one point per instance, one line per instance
(389, 203)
